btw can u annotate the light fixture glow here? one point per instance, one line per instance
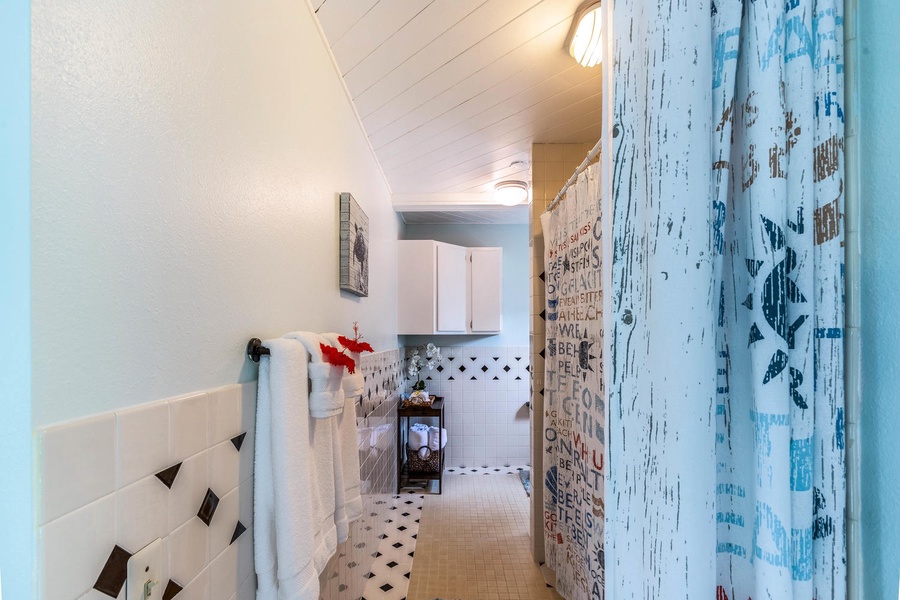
(510, 193)
(585, 43)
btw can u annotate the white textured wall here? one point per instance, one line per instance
(17, 547)
(187, 160)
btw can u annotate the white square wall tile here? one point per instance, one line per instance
(78, 464)
(224, 468)
(225, 413)
(74, 549)
(142, 513)
(142, 442)
(198, 589)
(221, 528)
(188, 490)
(231, 567)
(188, 426)
(188, 550)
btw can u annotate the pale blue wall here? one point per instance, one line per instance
(879, 90)
(516, 295)
(16, 535)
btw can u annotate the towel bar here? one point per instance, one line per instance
(255, 349)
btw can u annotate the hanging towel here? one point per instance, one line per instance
(326, 398)
(418, 437)
(352, 383)
(294, 532)
(344, 451)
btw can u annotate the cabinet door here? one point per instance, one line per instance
(416, 299)
(486, 285)
(451, 288)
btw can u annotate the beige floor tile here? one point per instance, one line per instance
(473, 543)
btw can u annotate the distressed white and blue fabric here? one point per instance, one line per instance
(778, 205)
(723, 182)
(574, 398)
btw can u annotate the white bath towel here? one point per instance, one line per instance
(352, 383)
(345, 454)
(437, 438)
(417, 438)
(326, 397)
(288, 531)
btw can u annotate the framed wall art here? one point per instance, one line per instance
(354, 247)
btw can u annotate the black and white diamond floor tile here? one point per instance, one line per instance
(391, 569)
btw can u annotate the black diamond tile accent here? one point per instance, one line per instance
(342, 587)
(406, 514)
(238, 441)
(496, 358)
(518, 378)
(450, 378)
(415, 537)
(528, 367)
(518, 358)
(496, 378)
(484, 368)
(377, 554)
(401, 528)
(543, 315)
(167, 476)
(406, 575)
(369, 575)
(451, 358)
(171, 590)
(382, 536)
(387, 587)
(397, 545)
(428, 378)
(440, 368)
(542, 276)
(473, 358)
(473, 378)
(409, 502)
(360, 545)
(392, 564)
(543, 354)
(114, 573)
(208, 508)
(238, 530)
(352, 564)
(496, 469)
(507, 368)
(462, 368)
(412, 554)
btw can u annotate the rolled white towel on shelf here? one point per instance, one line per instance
(417, 438)
(437, 438)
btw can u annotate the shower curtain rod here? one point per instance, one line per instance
(584, 164)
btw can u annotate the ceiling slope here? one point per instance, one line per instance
(452, 93)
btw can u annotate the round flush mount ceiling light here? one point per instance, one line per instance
(585, 36)
(510, 193)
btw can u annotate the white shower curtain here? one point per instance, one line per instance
(574, 437)
(723, 176)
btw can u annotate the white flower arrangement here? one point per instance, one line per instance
(428, 356)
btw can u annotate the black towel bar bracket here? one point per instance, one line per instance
(255, 349)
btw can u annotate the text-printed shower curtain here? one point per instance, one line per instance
(574, 399)
(723, 180)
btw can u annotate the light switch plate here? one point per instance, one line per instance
(145, 565)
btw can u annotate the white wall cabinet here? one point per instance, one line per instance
(447, 289)
(485, 276)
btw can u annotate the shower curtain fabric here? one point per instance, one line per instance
(722, 186)
(574, 400)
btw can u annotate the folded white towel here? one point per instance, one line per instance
(287, 533)
(326, 397)
(352, 383)
(437, 438)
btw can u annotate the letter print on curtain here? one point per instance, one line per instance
(574, 398)
(777, 208)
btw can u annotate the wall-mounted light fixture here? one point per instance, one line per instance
(510, 192)
(585, 35)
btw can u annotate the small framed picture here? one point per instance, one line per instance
(354, 247)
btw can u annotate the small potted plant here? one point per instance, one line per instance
(428, 356)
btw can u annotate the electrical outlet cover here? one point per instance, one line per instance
(145, 565)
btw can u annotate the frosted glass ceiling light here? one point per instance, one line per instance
(510, 193)
(585, 37)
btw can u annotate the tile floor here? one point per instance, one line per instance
(470, 543)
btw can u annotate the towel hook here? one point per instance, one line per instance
(255, 349)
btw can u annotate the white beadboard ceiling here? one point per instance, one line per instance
(452, 93)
